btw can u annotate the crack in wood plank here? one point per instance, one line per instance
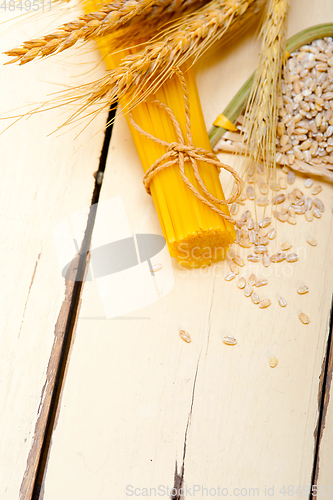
(48, 409)
(30, 286)
(179, 476)
(209, 316)
(324, 393)
(60, 331)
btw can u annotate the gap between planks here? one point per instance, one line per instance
(64, 332)
(324, 394)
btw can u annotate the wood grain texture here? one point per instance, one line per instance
(141, 408)
(43, 180)
(323, 471)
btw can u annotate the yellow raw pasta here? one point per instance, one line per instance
(195, 234)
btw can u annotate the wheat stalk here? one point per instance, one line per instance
(141, 74)
(261, 111)
(132, 33)
(109, 18)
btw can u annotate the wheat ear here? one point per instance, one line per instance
(110, 17)
(261, 111)
(141, 74)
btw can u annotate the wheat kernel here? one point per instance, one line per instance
(291, 177)
(155, 268)
(299, 210)
(245, 243)
(260, 249)
(238, 261)
(264, 303)
(185, 336)
(302, 290)
(319, 204)
(252, 279)
(241, 283)
(255, 298)
(316, 212)
(234, 269)
(260, 283)
(316, 190)
(265, 222)
(278, 257)
(263, 188)
(271, 234)
(280, 198)
(282, 301)
(263, 202)
(304, 318)
(266, 260)
(250, 192)
(229, 276)
(254, 238)
(291, 212)
(279, 216)
(291, 197)
(284, 140)
(286, 246)
(245, 216)
(260, 169)
(311, 241)
(298, 194)
(250, 223)
(308, 204)
(292, 257)
(252, 169)
(229, 341)
(245, 231)
(234, 208)
(308, 182)
(308, 215)
(292, 220)
(273, 362)
(248, 290)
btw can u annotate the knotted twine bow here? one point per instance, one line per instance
(179, 153)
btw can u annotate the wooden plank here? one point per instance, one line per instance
(324, 461)
(142, 409)
(43, 180)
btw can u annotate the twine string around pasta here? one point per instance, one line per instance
(179, 153)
